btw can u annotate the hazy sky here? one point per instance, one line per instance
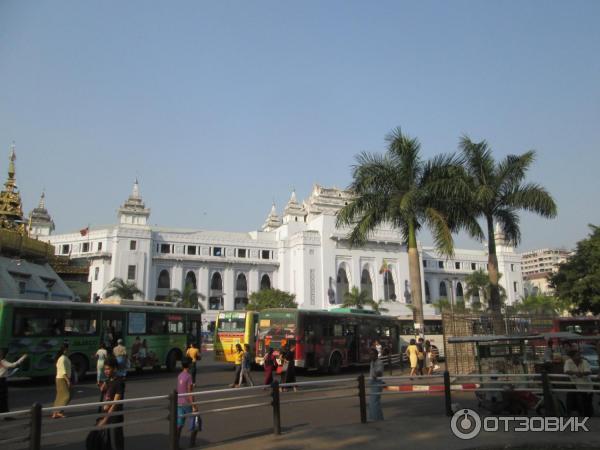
(221, 107)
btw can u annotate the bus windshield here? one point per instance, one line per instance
(232, 324)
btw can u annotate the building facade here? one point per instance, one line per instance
(302, 252)
(538, 265)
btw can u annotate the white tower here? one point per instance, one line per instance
(133, 211)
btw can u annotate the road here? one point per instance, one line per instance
(219, 427)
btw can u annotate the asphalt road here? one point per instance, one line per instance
(307, 407)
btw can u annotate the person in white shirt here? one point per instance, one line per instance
(5, 366)
(579, 370)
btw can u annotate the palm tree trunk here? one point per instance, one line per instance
(414, 271)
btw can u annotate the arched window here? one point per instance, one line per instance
(342, 285)
(216, 283)
(427, 293)
(265, 282)
(215, 299)
(443, 291)
(164, 280)
(459, 290)
(366, 285)
(241, 292)
(389, 287)
(190, 278)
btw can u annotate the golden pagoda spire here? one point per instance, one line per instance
(11, 210)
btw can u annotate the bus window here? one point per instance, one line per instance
(80, 323)
(337, 330)
(112, 327)
(157, 324)
(37, 322)
(176, 325)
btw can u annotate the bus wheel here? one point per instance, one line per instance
(335, 364)
(172, 359)
(80, 366)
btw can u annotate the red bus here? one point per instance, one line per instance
(326, 340)
(586, 326)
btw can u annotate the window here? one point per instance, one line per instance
(424, 263)
(65, 249)
(85, 247)
(441, 264)
(241, 252)
(265, 282)
(512, 267)
(79, 323)
(515, 286)
(38, 322)
(99, 246)
(191, 249)
(457, 265)
(473, 266)
(215, 303)
(131, 272)
(96, 273)
(164, 280)
(22, 287)
(157, 324)
(165, 248)
(265, 254)
(176, 324)
(132, 245)
(217, 251)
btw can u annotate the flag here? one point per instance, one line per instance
(84, 231)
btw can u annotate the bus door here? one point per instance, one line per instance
(113, 324)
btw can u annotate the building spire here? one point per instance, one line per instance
(273, 221)
(135, 193)
(11, 210)
(42, 204)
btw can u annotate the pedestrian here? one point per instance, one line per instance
(411, 353)
(5, 366)
(101, 355)
(245, 376)
(378, 347)
(579, 370)
(429, 358)
(282, 365)
(185, 404)
(63, 380)
(113, 389)
(289, 358)
(420, 356)
(120, 353)
(374, 411)
(239, 357)
(194, 355)
(270, 364)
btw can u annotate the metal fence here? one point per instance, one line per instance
(32, 426)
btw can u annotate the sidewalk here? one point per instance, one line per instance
(420, 433)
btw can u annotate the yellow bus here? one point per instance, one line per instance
(231, 328)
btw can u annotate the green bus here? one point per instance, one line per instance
(154, 336)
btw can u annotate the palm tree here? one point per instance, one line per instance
(120, 288)
(188, 298)
(478, 285)
(401, 190)
(495, 192)
(359, 299)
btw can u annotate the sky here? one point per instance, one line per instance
(220, 108)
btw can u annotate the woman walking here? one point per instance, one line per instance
(5, 366)
(374, 411)
(245, 376)
(63, 380)
(429, 358)
(270, 364)
(239, 357)
(289, 358)
(411, 353)
(101, 356)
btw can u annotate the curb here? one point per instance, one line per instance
(430, 388)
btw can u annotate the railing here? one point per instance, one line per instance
(163, 408)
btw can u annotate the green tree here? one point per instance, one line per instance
(271, 298)
(120, 288)
(495, 192)
(188, 298)
(540, 304)
(479, 286)
(399, 189)
(577, 281)
(358, 299)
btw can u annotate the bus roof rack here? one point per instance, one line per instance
(354, 311)
(128, 301)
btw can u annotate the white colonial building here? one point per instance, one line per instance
(301, 252)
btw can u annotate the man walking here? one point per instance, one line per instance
(113, 389)
(185, 403)
(193, 353)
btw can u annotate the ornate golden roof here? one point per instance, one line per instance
(11, 209)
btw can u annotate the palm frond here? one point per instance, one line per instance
(532, 197)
